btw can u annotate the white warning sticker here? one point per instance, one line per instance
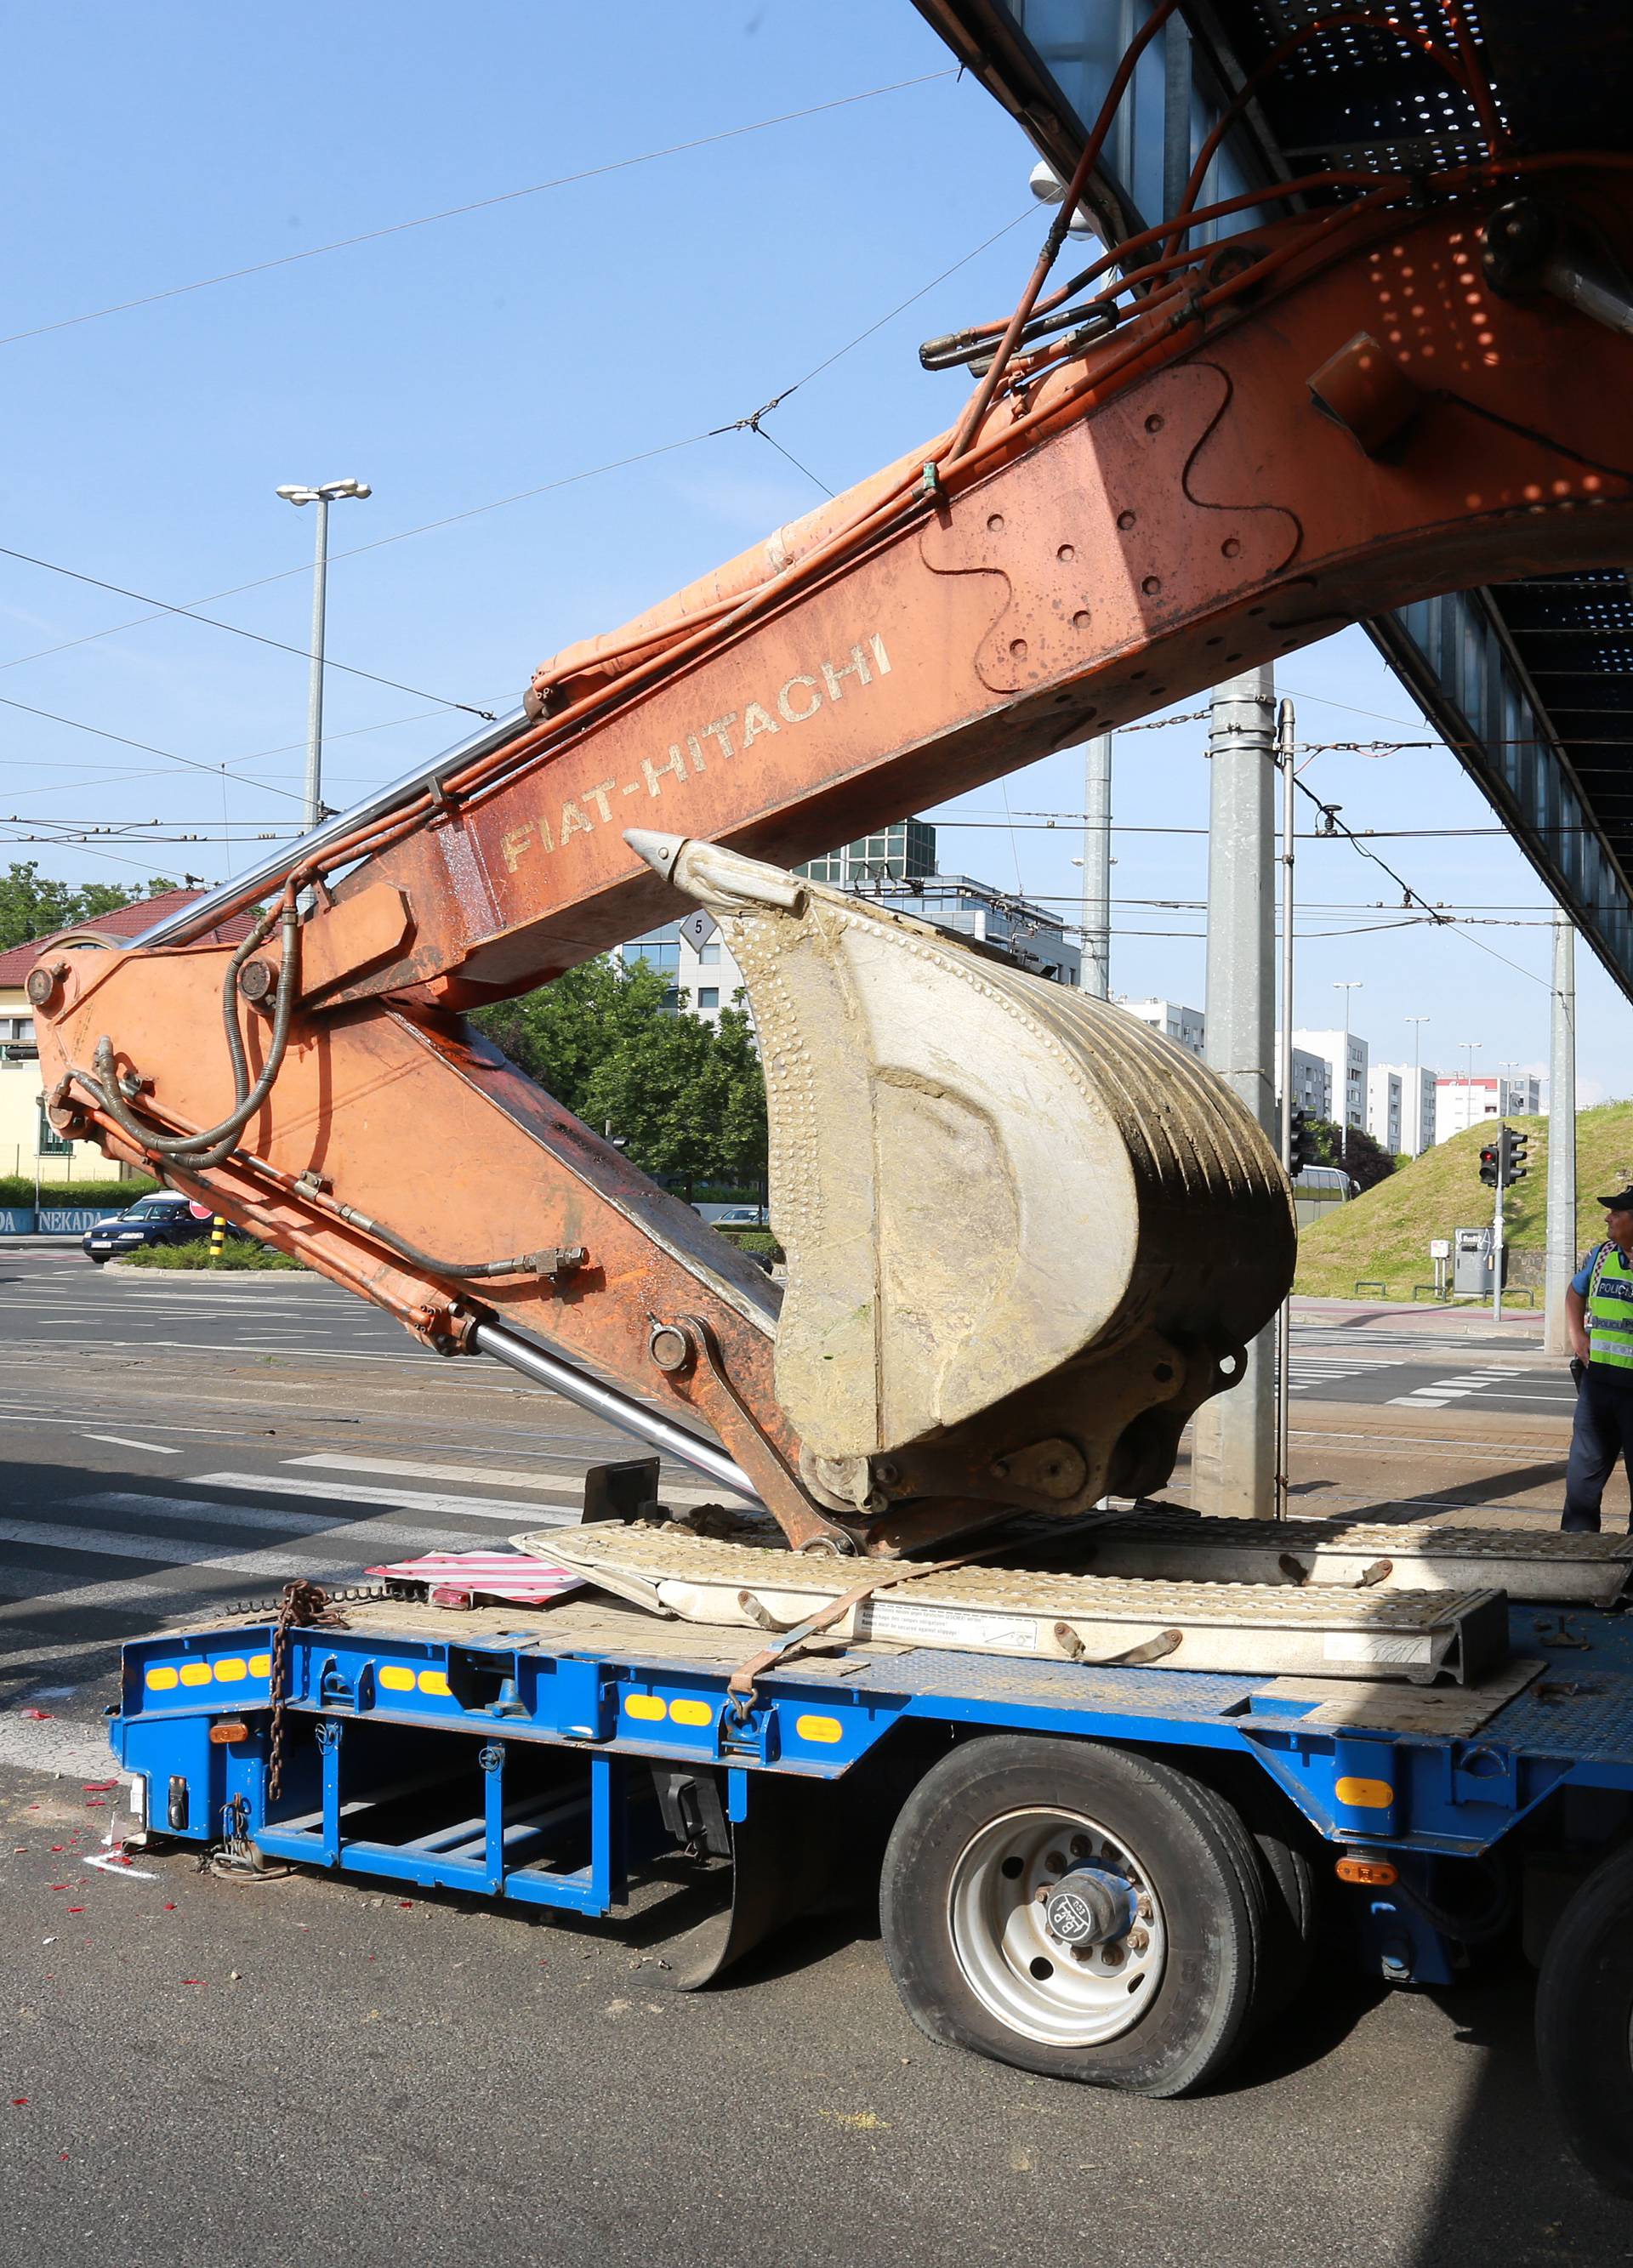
(946, 1626)
(1376, 1646)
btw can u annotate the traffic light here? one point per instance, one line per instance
(1491, 1165)
(1301, 1143)
(1513, 1146)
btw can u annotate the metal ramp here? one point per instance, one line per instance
(1269, 1629)
(1166, 1542)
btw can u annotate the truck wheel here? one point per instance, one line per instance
(1294, 1919)
(1584, 2022)
(1076, 1910)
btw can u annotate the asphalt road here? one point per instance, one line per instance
(193, 2071)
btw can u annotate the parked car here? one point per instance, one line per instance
(741, 1217)
(159, 1219)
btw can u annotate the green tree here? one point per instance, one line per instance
(686, 1097)
(1368, 1161)
(31, 905)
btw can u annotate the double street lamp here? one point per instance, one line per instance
(322, 496)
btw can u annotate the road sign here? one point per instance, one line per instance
(697, 928)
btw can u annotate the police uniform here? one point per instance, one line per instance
(1603, 1430)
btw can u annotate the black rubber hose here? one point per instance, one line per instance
(214, 1145)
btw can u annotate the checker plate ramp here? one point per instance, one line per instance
(1167, 1542)
(1316, 1631)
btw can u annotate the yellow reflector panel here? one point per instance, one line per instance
(1365, 1794)
(232, 1671)
(396, 1680)
(692, 1713)
(646, 1707)
(435, 1681)
(161, 1681)
(261, 1665)
(195, 1673)
(826, 1729)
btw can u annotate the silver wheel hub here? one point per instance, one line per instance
(1056, 1927)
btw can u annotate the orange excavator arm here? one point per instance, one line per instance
(1304, 425)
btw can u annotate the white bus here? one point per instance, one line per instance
(1317, 1188)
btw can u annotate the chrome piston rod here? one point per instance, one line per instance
(620, 1410)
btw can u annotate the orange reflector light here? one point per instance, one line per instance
(228, 1728)
(1376, 1873)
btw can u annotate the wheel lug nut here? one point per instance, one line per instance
(1138, 1940)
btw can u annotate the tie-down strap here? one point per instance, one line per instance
(740, 1685)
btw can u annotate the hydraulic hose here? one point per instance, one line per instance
(214, 1145)
(550, 1262)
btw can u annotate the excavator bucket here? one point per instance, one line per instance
(1026, 1235)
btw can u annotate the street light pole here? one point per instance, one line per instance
(323, 498)
(1346, 985)
(1416, 1023)
(1468, 1048)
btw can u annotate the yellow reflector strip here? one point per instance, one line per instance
(647, 1708)
(1365, 1794)
(195, 1673)
(435, 1681)
(395, 1680)
(692, 1713)
(161, 1680)
(232, 1671)
(261, 1665)
(826, 1729)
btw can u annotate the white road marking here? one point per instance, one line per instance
(202, 1511)
(123, 1441)
(161, 1550)
(405, 1499)
(484, 1476)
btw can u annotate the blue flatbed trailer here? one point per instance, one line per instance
(549, 1759)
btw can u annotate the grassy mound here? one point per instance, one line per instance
(1385, 1235)
(237, 1259)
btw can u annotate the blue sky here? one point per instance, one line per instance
(461, 362)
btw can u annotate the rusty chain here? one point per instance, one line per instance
(307, 1604)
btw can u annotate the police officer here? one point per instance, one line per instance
(1599, 1314)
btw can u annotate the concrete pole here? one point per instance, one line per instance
(314, 696)
(1096, 910)
(1562, 1140)
(1233, 1459)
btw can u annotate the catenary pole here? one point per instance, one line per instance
(1562, 1141)
(1234, 1457)
(1286, 735)
(1097, 905)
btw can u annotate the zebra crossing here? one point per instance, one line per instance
(1495, 1382)
(1308, 1372)
(98, 1564)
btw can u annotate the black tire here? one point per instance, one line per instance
(99, 1259)
(958, 1960)
(1584, 2022)
(1289, 1953)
